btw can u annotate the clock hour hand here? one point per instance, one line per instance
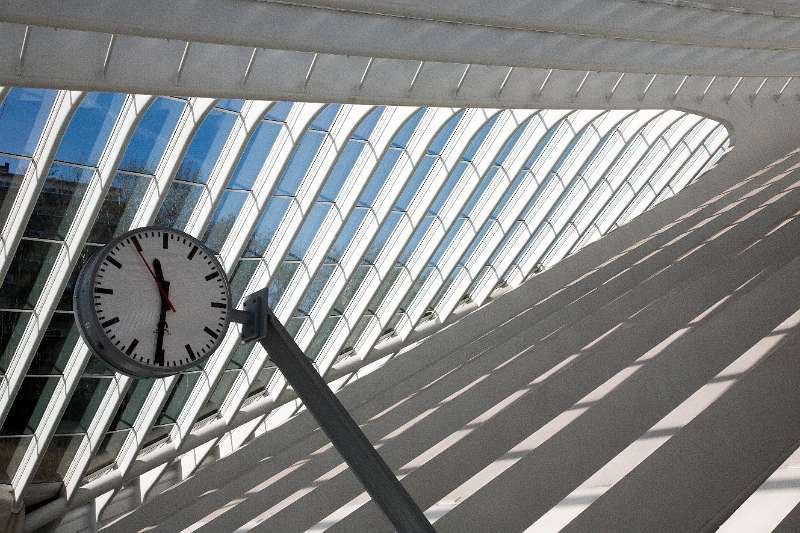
(162, 317)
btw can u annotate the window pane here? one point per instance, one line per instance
(280, 280)
(27, 273)
(301, 245)
(147, 145)
(119, 206)
(346, 233)
(219, 393)
(206, 146)
(324, 118)
(58, 202)
(350, 288)
(404, 135)
(29, 406)
(88, 131)
(230, 104)
(59, 339)
(301, 159)
(12, 450)
(65, 303)
(315, 288)
(12, 325)
(413, 184)
(131, 404)
(178, 205)
(382, 237)
(23, 113)
(321, 336)
(11, 173)
(57, 457)
(279, 111)
(267, 225)
(440, 141)
(364, 129)
(223, 218)
(241, 277)
(342, 168)
(379, 177)
(255, 154)
(177, 398)
(83, 405)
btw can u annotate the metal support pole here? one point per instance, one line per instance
(378, 479)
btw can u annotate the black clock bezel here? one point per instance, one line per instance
(89, 324)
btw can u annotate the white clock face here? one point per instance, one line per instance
(160, 299)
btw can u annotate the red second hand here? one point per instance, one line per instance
(160, 288)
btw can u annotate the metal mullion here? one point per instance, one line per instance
(645, 160)
(78, 232)
(392, 119)
(548, 218)
(494, 141)
(317, 175)
(578, 123)
(64, 106)
(673, 158)
(468, 125)
(623, 154)
(194, 112)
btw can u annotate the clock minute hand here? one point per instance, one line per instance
(164, 295)
(162, 317)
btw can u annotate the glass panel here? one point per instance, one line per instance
(223, 218)
(324, 118)
(379, 177)
(321, 336)
(350, 288)
(178, 205)
(255, 154)
(477, 195)
(404, 135)
(131, 404)
(241, 277)
(449, 185)
(440, 141)
(364, 129)
(301, 160)
(58, 202)
(279, 111)
(382, 237)
(477, 139)
(57, 457)
(83, 405)
(59, 339)
(346, 233)
(384, 288)
(448, 238)
(415, 287)
(119, 207)
(280, 280)
(230, 104)
(358, 329)
(415, 181)
(206, 146)
(88, 131)
(12, 449)
(150, 139)
(65, 303)
(156, 434)
(23, 113)
(512, 140)
(27, 274)
(177, 398)
(301, 245)
(416, 238)
(214, 401)
(12, 171)
(315, 288)
(107, 452)
(260, 381)
(240, 355)
(344, 165)
(12, 325)
(29, 406)
(267, 225)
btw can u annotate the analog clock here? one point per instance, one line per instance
(153, 302)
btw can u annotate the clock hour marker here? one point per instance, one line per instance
(165, 241)
(212, 276)
(189, 350)
(136, 244)
(134, 342)
(210, 332)
(110, 322)
(191, 254)
(114, 262)
(219, 305)
(103, 290)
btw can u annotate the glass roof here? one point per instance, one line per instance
(364, 223)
